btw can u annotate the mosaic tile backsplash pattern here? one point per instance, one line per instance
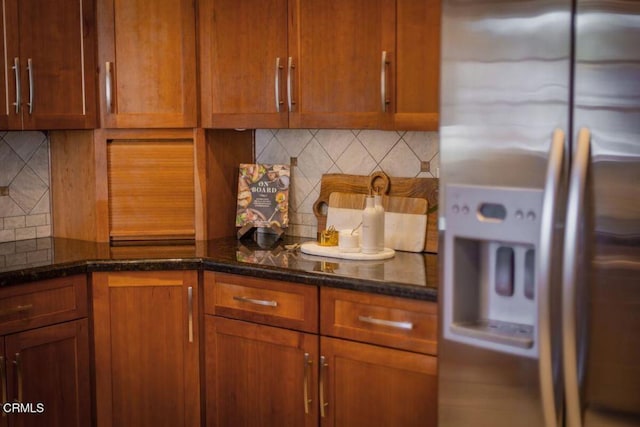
(354, 152)
(25, 211)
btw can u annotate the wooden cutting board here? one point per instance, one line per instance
(405, 218)
(424, 188)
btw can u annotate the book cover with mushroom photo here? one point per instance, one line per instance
(263, 195)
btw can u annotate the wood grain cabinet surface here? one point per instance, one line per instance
(44, 353)
(146, 337)
(378, 363)
(48, 73)
(147, 63)
(243, 63)
(279, 370)
(261, 350)
(320, 64)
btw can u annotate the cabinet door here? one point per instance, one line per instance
(418, 65)
(50, 366)
(146, 348)
(243, 59)
(147, 63)
(57, 63)
(367, 385)
(341, 80)
(151, 189)
(259, 375)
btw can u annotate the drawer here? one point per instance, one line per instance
(378, 319)
(271, 302)
(42, 303)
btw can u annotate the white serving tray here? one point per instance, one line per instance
(312, 248)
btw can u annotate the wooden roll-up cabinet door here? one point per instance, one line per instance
(151, 189)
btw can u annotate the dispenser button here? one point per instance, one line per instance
(465, 209)
(531, 215)
(519, 214)
(504, 271)
(455, 209)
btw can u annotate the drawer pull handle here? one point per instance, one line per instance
(190, 309)
(17, 309)
(18, 364)
(323, 371)
(383, 82)
(108, 86)
(256, 301)
(16, 70)
(279, 102)
(290, 101)
(307, 368)
(392, 324)
(30, 70)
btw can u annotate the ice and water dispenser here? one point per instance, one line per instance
(491, 239)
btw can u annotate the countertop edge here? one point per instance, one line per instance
(207, 264)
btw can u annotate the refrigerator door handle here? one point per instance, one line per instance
(575, 203)
(544, 262)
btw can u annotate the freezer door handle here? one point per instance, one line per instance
(545, 258)
(575, 212)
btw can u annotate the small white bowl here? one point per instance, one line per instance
(348, 241)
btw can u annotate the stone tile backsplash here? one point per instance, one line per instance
(354, 152)
(25, 211)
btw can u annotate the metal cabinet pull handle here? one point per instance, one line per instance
(544, 278)
(279, 102)
(578, 188)
(190, 308)
(290, 67)
(16, 70)
(383, 82)
(18, 365)
(16, 309)
(323, 371)
(307, 367)
(3, 379)
(108, 86)
(31, 87)
(256, 301)
(391, 323)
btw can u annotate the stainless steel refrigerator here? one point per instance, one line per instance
(540, 213)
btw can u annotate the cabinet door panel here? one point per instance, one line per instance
(151, 189)
(255, 375)
(50, 365)
(146, 349)
(56, 63)
(150, 47)
(376, 386)
(338, 74)
(418, 64)
(240, 42)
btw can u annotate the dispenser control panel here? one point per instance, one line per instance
(491, 240)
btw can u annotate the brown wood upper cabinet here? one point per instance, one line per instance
(147, 62)
(320, 63)
(48, 76)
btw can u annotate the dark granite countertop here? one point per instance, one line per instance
(410, 275)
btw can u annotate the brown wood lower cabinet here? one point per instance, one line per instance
(266, 366)
(259, 375)
(44, 354)
(146, 349)
(367, 385)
